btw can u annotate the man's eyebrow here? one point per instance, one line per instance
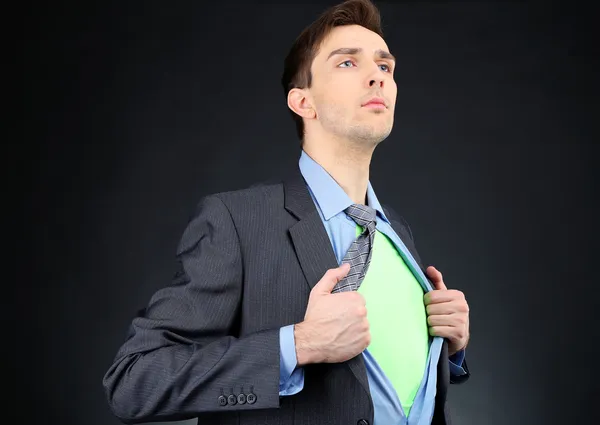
(354, 50)
(344, 51)
(385, 55)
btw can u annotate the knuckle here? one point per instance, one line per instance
(461, 307)
(366, 325)
(331, 275)
(357, 298)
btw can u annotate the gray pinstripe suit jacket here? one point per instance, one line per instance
(246, 264)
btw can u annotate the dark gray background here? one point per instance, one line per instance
(134, 111)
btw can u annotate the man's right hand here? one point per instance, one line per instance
(335, 326)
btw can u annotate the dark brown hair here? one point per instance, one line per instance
(297, 64)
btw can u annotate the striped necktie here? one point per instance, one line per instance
(359, 254)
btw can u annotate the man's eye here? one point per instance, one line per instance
(387, 67)
(348, 61)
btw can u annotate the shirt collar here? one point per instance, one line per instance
(328, 194)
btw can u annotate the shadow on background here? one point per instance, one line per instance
(135, 110)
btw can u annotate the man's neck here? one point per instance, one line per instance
(348, 165)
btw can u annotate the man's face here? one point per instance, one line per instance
(354, 66)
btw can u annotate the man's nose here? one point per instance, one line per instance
(376, 82)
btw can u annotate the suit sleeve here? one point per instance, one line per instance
(181, 354)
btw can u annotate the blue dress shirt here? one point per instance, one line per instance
(331, 201)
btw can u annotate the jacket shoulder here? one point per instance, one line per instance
(392, 215)
(257, 193)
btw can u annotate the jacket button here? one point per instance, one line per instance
(232, 399)
(241, 398)
(362, 422)
(251, 398)
(222, 400)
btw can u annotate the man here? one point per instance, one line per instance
(303, 302)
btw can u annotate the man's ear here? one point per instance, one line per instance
(299, 101)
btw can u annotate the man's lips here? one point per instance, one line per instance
(376, 102)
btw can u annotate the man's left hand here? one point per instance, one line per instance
(448, 313)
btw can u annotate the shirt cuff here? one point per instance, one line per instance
(456, 361)
(291, 379)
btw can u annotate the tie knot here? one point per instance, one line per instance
(361, 214)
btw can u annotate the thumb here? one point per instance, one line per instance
(331, 278)
(436, 278)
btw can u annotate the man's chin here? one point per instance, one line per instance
(370, 136)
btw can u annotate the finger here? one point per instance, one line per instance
(453, 320)
(443, 331)
(434, 274)
(331, 278)
(443, 308)
(444, 302)
(440, 296)
(436, 278)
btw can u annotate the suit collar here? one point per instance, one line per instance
(297, 199)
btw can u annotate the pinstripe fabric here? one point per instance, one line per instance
(246, 264)
(359, 253)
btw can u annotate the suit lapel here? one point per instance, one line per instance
(313, 248)
(309, 237)
(404, 235)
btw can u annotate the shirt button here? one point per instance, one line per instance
(222, 400)
(232, 400)
(241, 398)
(251, 398)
